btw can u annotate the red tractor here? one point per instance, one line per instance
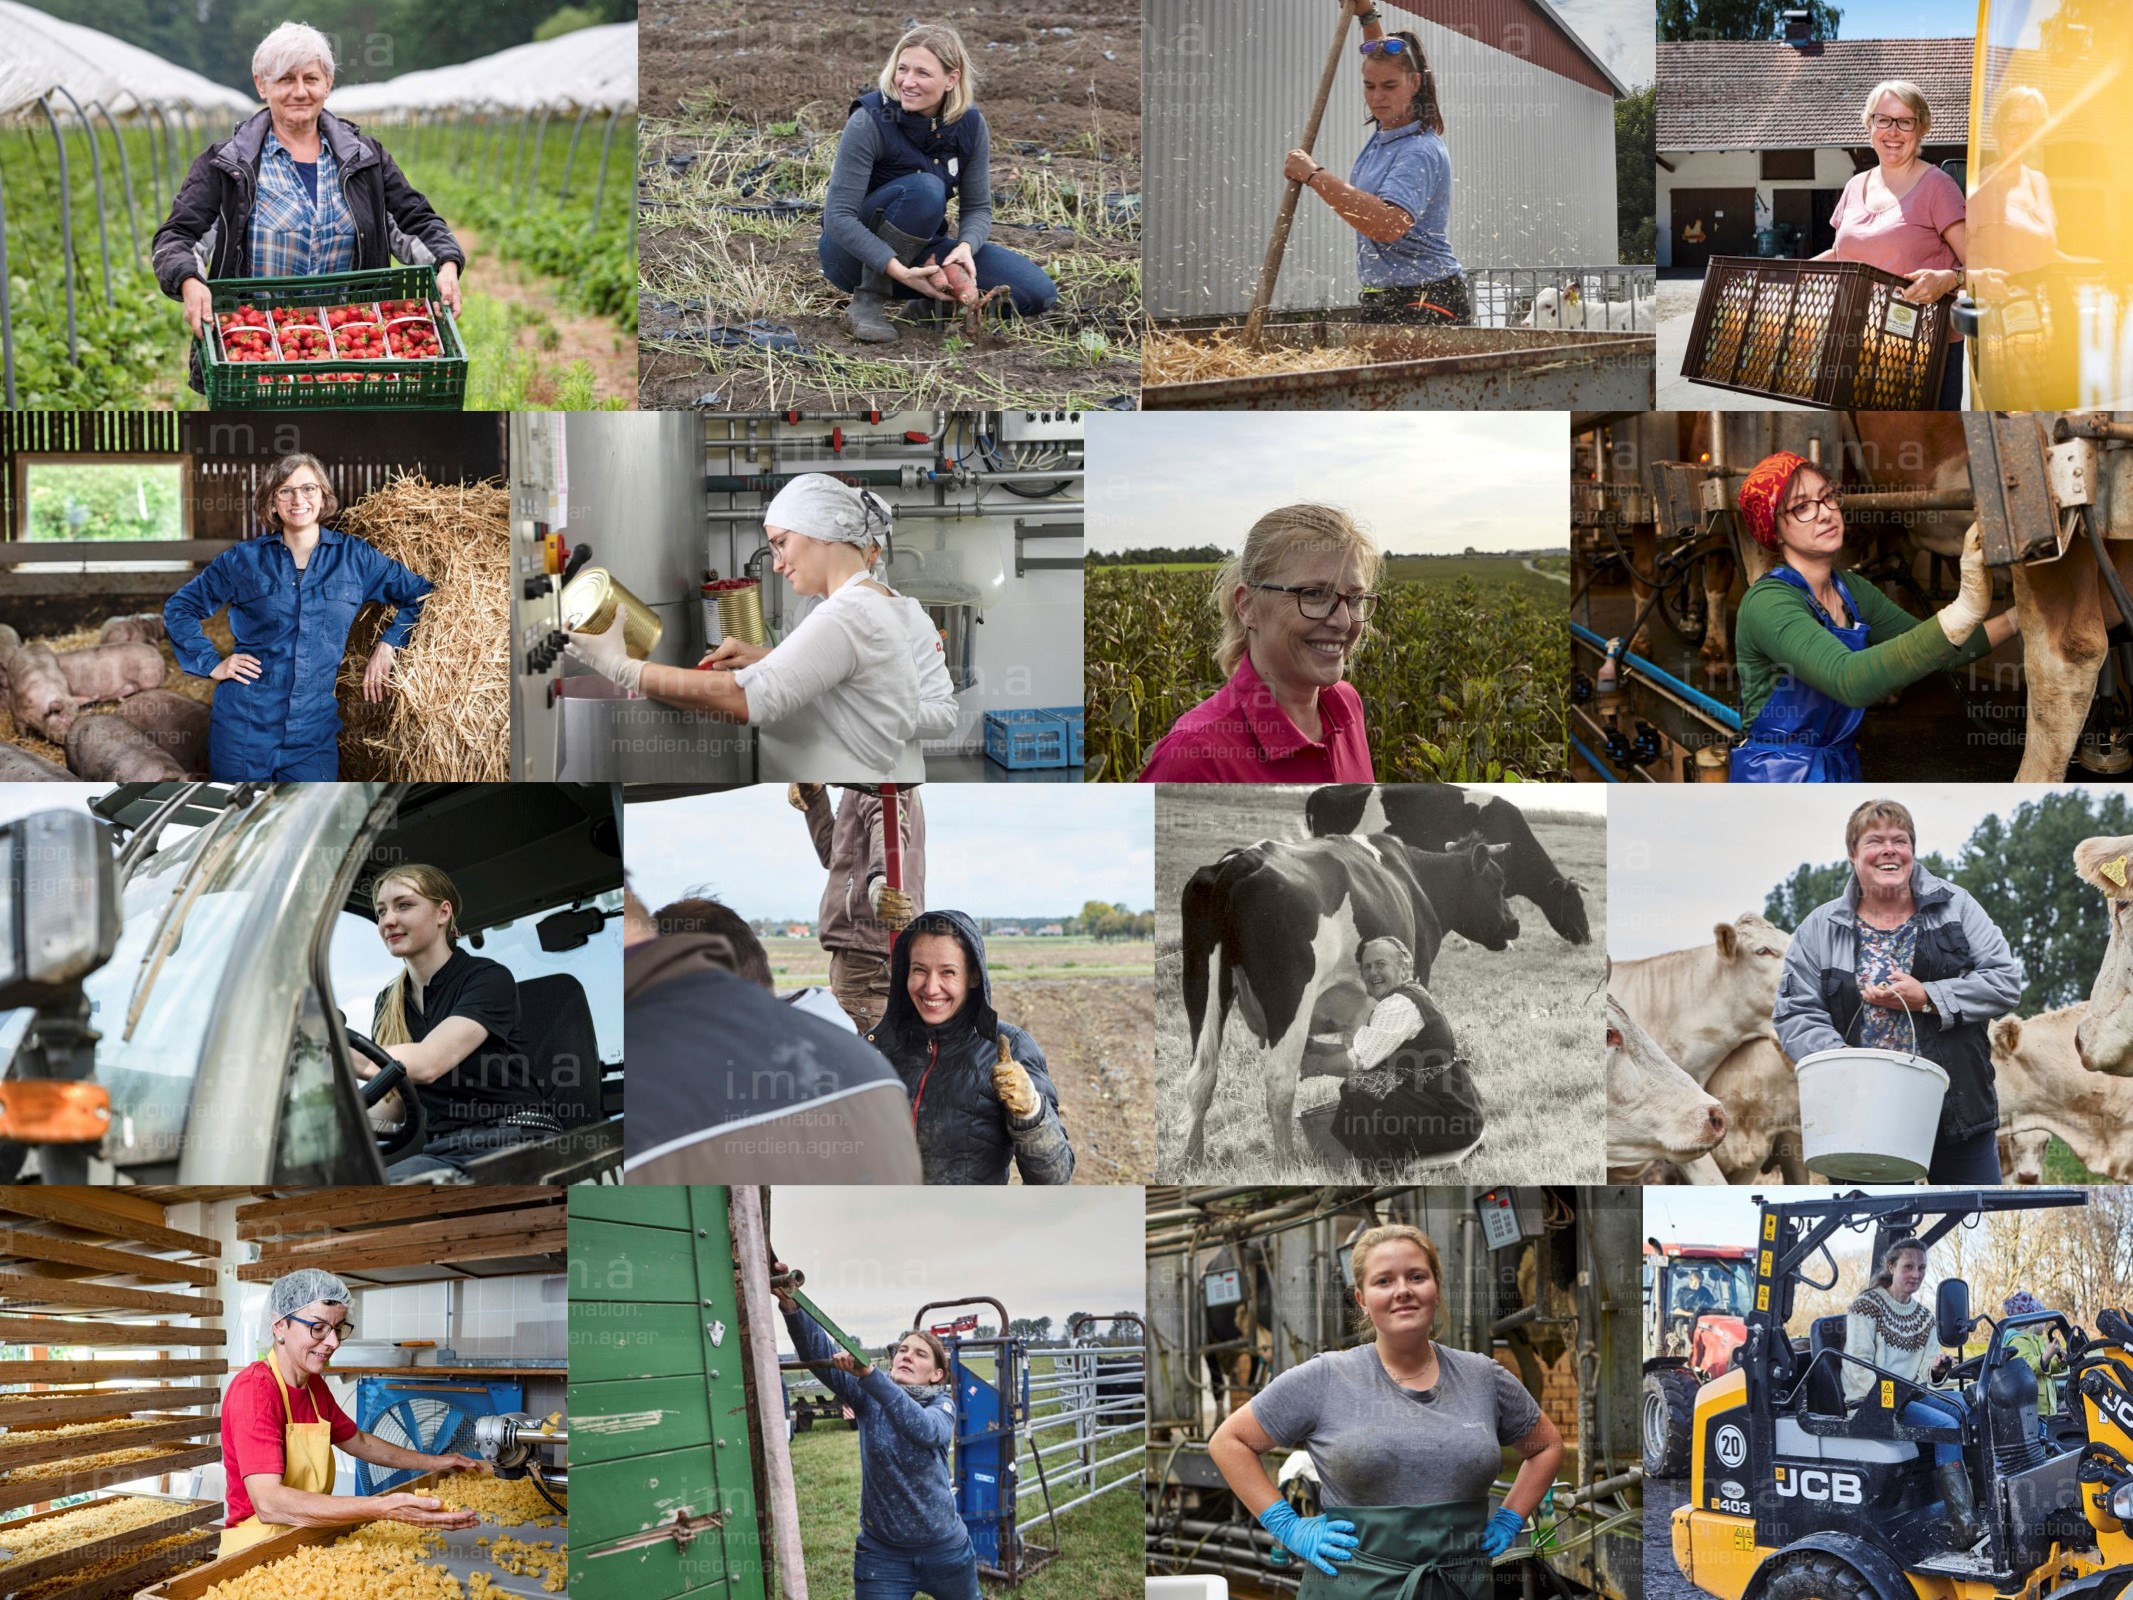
(1696, 1301)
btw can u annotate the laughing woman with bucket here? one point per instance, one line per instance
(1407, 1438)
(1900, 954)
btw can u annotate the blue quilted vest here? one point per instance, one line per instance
(912, 143)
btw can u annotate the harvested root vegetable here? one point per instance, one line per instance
(1170, 358)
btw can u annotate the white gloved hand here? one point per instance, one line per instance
(606, 654)
(1961, 616)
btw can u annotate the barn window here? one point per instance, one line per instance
(78, 500)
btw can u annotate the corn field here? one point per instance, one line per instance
(1461, 681)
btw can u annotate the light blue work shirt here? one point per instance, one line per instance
(1410, 168)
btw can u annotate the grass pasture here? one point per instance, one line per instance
(1526, 1019)
(1100, 1544)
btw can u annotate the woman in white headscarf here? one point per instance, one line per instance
(848, 694)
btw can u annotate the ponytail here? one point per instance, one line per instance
(431, 883)
(1426, 109)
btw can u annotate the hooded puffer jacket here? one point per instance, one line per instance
(964, 1132)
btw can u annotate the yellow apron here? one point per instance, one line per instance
(306, 1463)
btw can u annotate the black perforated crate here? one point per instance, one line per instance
(1824, 333)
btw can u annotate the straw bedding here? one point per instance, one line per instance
(447, 712)
(1168, 358)
(175, 678)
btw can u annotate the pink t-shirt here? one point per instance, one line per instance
(1909, 235)
(1239, 735)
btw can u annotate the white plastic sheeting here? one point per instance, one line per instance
(39, 53)
(594, 67)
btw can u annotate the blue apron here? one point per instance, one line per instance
(1802, 735)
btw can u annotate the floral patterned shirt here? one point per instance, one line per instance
(1884, 952)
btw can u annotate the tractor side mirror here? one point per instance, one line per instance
(1951, 1311)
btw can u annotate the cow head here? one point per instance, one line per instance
(1655, 1112)
(2104, 1041)
(1751, 958)
(1562, 902)
(1477, 909)
(2022, 1156)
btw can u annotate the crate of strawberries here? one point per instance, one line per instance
(373, 340)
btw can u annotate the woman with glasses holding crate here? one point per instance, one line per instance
(1816, 646)
(1398, 197)
(292, 595)
(1904, 215)
(1294, 606)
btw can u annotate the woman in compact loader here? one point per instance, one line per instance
(1407, 1438)
(1890, 1327)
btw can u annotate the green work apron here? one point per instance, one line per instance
(1430, 1552)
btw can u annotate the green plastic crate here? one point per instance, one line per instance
(386, 385)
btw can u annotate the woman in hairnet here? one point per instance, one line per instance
(280, 1427)
(850, 691)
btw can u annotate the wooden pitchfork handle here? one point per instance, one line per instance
(1270, 269)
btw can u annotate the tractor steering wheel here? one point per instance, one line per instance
(413, 1134)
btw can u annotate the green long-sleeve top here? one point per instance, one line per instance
(1778, 636)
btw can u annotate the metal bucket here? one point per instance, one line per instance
(953, 620)
(733, 608)
(589, 603)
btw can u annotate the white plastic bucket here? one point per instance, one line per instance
(1191, 1586)
(1869, 1116)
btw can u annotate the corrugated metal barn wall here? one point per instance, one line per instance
(1225, 90)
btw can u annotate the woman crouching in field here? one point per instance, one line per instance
(1294, 605)
(911, 1538)
(910, 144)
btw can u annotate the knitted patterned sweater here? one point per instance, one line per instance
(1897, 1338)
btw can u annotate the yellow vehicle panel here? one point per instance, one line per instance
(1720, 1394)
(2050, 225)
(1719, 1555)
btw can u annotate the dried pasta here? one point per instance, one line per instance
(542, 1560)
(171, 1549)
(96, 1463)
(362, 1566)
(506, 1500)
(104, 1519)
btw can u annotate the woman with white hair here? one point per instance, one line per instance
(296, 192)
(846, 696)
(280, 1427)
(1904, 215)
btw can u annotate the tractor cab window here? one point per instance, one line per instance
(1720, 1286)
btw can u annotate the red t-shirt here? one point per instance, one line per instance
(252, 1423)
(1239, 735)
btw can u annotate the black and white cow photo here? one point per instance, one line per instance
(1379, 983)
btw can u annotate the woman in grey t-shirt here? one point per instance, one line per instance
(1406, 1437)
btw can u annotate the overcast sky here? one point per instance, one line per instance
(1724, 1214)
(992, 849)
(1421, 483)
(874, 1256)
(1619, 32)
(1683, 857)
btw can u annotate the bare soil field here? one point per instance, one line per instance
(1527, 1019)
(743, 103)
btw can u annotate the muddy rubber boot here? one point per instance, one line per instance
(868, 315)
(1954, 1482)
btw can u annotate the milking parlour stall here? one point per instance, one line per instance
(1779, 597)
(1356, 208)
(252, 596)
(796, 1391)
(1278, 1316)
(1863, 983)
(1377, 982)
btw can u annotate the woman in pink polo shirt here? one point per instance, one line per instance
(1904, 215)
(1293, 604)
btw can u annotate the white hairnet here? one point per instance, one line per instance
(292, 1291)
(820, 507)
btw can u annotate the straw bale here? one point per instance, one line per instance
(1170, 358)
(447, 712)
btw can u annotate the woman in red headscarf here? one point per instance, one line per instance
(1816, 646)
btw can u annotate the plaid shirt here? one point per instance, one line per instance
(293, 237)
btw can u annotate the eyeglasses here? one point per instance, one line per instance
(341, 1331)
(1389, 47)
(1317, 602)
(301, 491)
(1808, 510)
(1900, 124)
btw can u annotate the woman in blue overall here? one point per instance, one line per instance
(292, 597)
(1815, 647)
(1407, 1438)
(1398, 197)
(912, 1540)
(910, 144)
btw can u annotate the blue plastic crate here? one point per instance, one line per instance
(1072, 717)
(1020, 740)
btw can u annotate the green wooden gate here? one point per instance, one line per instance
(659, 1418)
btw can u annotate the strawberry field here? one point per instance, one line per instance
(1460, 679)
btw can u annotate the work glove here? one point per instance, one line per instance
(801, 795)
(606, 654)
(1504, 1526)
(1961, 616)
(891, 907)
(1012, 1084)
(1319, 1540)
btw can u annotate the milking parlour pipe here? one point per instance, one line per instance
(1718, 710)
(1592, 760)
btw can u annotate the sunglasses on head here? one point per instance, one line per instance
(1390, 47)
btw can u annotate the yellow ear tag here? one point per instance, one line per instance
(2115, 871)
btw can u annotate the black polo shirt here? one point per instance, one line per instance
(497, 1078)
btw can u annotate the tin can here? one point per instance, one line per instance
(590, 601)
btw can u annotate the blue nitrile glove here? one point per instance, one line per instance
(1319, 1540)
(1504, 1526)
